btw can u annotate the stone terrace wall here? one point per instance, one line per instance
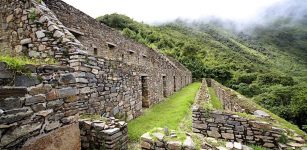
(227, 97)
(108, 135)
(106, 86)
(42, 104)
(231, 127)
(227, 125)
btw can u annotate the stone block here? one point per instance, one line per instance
(228, 136)
(214, 134)
(20, 132)
(174, 145)
(10, 103)
(6, 92)
(35, 99)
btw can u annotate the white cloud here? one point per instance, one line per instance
(166, 10)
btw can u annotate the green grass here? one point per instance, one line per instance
(168, 113)
(216, 103)
(17, 62)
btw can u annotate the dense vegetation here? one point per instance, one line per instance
(268, 63)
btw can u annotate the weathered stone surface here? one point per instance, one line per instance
(6, 75)
(57, 103)
(26, 81)
(237, 145)
(35, 99)
(228, 136)
(261, 125)
(67, 79)
(44, 113)
(159, 136)
(66, 92)
(6, 92)
(111, 131)
(188, 144)
(52, 125)
(40, 89)
(147, 138)
(174, 145)
(215, 134)
(269, 145)
(145, 145)
(58, 34)
(26, 41)
(19, 132)
(14, 117)
(40, 34)
(10, 103)
(64, 138)
(261, 113)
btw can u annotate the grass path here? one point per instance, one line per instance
(167, 113)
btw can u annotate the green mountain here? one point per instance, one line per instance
(266, 62)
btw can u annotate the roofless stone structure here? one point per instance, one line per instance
(98, 71)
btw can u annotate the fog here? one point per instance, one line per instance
(237, 13)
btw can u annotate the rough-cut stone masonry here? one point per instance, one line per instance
(98, 83)
(109, 134)
(161, 140)
(39, 103)
(108, 86)
(227, 125)
(226, 96)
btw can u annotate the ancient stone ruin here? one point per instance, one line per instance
(240, 120)
(96, 71)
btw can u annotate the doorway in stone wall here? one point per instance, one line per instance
(145, 99)
(174, 84)
(164, 86)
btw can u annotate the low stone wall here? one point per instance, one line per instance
(222, 125)
(159, 141)
(229, 126)
(230, 100)
(36, 104)
(109, 134)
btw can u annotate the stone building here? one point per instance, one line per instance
(98, 70)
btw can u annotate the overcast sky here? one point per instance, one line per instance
(155, 11)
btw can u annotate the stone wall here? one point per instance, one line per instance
(109, 134)
(83, 82)
(108, 86)
(149, 62)
(230, 100)
(229, 126)
(166, 141)
(40, 103)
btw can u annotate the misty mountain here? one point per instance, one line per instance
(265, 62)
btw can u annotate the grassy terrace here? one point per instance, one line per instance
(216, 103)
(168, 113)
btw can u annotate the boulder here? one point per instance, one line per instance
(174, 145)
(260, 113)
(188, 144)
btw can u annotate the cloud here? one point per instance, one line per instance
(167, 10)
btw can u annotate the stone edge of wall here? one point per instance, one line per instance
(229, 126)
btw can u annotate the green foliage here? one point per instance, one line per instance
(283, 139)
(257, 147)
(263, 64)
(214, 100)
(39, 1)
(161, 115)
(32, 15)
(17, 63)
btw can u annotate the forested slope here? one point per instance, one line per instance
(267, 63)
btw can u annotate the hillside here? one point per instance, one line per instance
(267, 63)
